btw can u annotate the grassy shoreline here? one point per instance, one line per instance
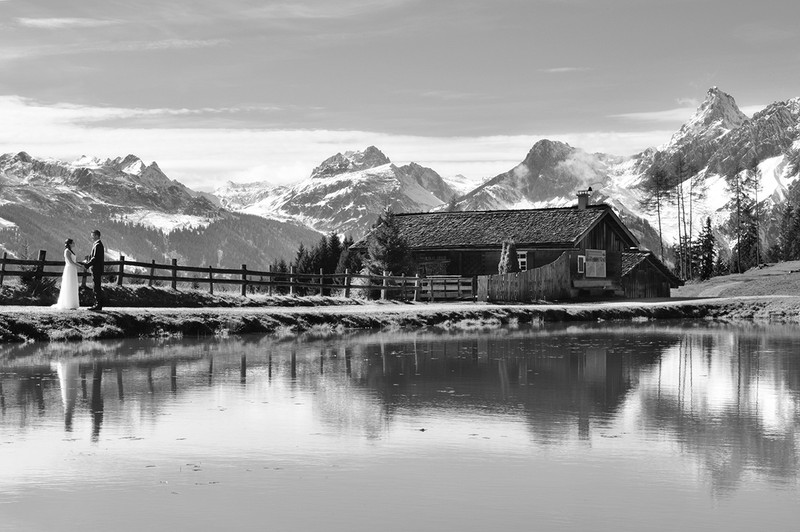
(769, 294)
(332, 315)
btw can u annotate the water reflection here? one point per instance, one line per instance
(725, 398)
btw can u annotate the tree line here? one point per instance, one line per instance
(386, 251)
(672, 182)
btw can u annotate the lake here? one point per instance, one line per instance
(676, 426)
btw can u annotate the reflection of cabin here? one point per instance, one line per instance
(594, 238)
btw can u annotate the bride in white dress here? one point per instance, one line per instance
(68, 297)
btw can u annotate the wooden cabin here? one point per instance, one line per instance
(644, 276)
(469, 243)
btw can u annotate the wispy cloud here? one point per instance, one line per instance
(323, 9)
(454, 95)
(563, 70)
(679, 114)
(763, 34)
(167, 44)
(204, 157)
(688, 102)
(27, 52)
(60, 23)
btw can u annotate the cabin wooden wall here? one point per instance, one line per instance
(645, 281)
(605, 236)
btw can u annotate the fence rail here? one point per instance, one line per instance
(150, 273)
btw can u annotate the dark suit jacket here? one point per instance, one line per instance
(97, 259)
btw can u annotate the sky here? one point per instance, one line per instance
(247, 90)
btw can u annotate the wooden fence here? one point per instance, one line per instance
(292, 282)
(549, 282)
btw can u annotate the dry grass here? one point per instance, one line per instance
(781, 279)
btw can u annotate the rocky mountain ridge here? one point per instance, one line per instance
(714, 144)
(145, 214)
(345, 194)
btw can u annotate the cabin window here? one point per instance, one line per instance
(581, 263)
(522, 259)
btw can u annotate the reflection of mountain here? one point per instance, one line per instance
(727, 398)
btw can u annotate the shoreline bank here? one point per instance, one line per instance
(23, 324)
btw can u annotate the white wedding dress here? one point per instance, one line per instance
(68, 297)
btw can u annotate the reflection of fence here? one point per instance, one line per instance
(291, 282)
(551, 281)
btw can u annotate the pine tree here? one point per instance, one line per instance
(745, 254)
(657, 191)
(348, 259)
(509, 262)
(705, 251)
(740, 184)
(334, 253)
(786, 234)
(387, 250)
(794, 250)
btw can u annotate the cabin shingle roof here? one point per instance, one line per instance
(480, 229)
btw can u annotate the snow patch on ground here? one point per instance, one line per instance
(5, 224)
(165, 221)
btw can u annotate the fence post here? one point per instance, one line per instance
(459, 288)
(3, 267)
(40, 266)
(121, 270)
(321, 273)
(384, 284)
(210, 279)
(417, 287)
(430, 286)
(346, 282)
(174, 274)
(403, 287)
(244, 279)
(152, 273)
(292, 271)
(269, 286)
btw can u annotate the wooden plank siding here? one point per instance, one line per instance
(645, 281)
(549, 282)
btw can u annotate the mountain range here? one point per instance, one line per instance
(152, 216)
(142, 214)
(344, 194)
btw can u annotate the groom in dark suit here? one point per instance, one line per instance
(96, 261)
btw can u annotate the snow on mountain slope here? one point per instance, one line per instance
(124, 188)
(716, 116)
(715, 143)
(344, 194)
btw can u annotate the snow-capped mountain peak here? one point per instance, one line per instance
(344, 194)
(84, 161)
(716, 116)
(350, 161)
(131, 165)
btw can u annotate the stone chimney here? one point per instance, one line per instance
(583, 198)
